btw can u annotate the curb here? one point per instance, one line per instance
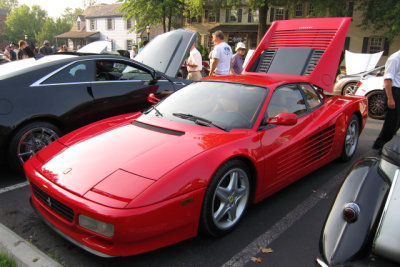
(24, 253)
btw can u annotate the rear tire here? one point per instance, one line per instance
(226, 198)
(377, 105)
(29, 140)
(351, 139)
(349, 89)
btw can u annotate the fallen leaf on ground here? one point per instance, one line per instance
(256, 259)
(266, 250)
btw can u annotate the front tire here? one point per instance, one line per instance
(226, 198)
(29, 140)
(351, 139)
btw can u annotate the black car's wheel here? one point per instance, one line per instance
(28, 140)
(351, 139)
(349, 89)
(377, 105)
(226, 198)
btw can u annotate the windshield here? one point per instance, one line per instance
(215, 104)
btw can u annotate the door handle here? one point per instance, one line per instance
(90, 91)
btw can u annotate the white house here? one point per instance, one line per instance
(102, 22)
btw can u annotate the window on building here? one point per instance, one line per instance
(298, 11)
(250, 16)
(233, 15)
(279, 13)
(129, 44)
(376, 44)
(78, 25)
(110, 24)
(129, 24)
(310, 9)
(93, 24)
(211, 15)
(350, 9)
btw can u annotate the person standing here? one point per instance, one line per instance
(221, 63)
(194, 64)
(133, 52)
(392, 92)
(21, 54)
(237, 59)
(13, 54)
(46, 49)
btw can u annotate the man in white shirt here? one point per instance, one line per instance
(194, 64)
(221, 63)
(392, 91)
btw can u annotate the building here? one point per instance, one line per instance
(240, 25)
(102, 22)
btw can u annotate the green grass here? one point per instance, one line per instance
(6, 260)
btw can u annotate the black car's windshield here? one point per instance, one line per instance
(216, 104)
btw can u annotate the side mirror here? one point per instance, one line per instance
(152, 99)
(283, 119)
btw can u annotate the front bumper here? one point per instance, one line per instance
(137, 230)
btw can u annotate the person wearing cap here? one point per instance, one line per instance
(194, 64)
(237, 59)
(46, 49)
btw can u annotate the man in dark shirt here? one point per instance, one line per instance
(46, 49)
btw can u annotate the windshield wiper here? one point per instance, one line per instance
(199, 120)
(155, 109)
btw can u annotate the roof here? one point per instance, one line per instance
(103, 10)
(78, 34)
(235, 28)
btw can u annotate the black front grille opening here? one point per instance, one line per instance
(55, 205)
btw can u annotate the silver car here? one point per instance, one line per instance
(345, 84)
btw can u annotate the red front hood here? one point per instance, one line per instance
(84, 158)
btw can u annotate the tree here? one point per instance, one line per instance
(51, 29)
(8, 4)
(70, 16)
(23, 21)
(381, 15)
(153, 12)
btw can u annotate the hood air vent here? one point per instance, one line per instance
(157, 129)
(266, 60)
(316, 56)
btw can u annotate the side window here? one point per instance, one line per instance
(312, 97)
(78, 72)
(286, 99)
(109, 70)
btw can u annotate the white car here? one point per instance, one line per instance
(372, 87)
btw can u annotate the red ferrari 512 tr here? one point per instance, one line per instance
(198, 158)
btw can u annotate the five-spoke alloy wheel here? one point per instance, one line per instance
(226, 198)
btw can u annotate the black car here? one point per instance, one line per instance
(42, 99)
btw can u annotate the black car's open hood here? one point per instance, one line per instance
(167, 51)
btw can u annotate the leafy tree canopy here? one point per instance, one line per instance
(8, 4)
(381, 15)
(36, 25)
